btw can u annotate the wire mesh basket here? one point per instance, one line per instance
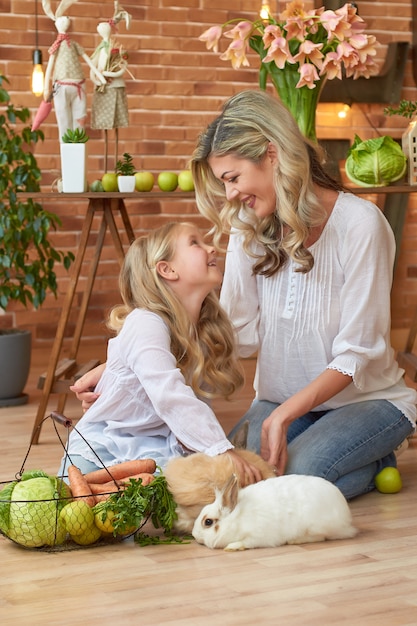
(39, 511)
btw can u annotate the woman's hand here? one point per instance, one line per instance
(247, 473)
(84, 386)
(274, 442)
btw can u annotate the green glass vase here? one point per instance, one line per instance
(301, 101)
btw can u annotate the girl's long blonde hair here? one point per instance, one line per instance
(249, 122)
(205, 352)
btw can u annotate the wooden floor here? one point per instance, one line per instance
(370, 580)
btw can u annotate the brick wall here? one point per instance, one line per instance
(177, 88)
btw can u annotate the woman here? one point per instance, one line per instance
(307, 286)
(173, 352)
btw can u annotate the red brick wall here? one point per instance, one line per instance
(178, 88)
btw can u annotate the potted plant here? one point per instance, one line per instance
(27, 257)
(126, 171)
(73, 148)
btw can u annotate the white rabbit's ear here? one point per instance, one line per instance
(230, 493)
(63, 6)
(46, 5)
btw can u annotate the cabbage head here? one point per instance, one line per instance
(375, 162)
(30, 507)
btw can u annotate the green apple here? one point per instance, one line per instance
(109, 181)
(96, 185)
(77, 517)
(167, 181)
(89, 536)
(185, 180)
(388, 480)
(144, 181)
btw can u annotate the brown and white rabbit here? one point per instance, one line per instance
(193, 480)
(286, 509)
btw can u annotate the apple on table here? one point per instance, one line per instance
(144, 181)
(185, 180)
(109, 181)
(167, 181)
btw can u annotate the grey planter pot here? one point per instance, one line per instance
(15, 351)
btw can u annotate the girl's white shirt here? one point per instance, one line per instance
(336, 316)
(145, 409)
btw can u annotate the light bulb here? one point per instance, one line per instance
(265, 11)
(343, 112)
(37, 73)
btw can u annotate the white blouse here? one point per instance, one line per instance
(336, 316)
(145, 408)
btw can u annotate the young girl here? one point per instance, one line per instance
(173, 352)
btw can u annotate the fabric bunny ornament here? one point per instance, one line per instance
(109, 107)
(64, 73)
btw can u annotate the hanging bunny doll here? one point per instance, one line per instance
(109, 107)
(65, 71)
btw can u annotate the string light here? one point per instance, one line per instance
(37, 72)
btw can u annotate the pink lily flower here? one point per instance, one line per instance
(279, 52)
(308, 76)
(212, 36)
(236, 54)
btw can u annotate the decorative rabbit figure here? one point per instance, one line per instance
(65, 72)
(286, 509)
(109, 107)
(193, 480)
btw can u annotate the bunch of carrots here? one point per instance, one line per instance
(96, 486)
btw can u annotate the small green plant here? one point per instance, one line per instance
(78, 135)
(125, 167)
(27, 257)
(406, 108)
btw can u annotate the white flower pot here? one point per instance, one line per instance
(74, 167)
(126, 184)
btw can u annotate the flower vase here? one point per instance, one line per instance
(301, 101)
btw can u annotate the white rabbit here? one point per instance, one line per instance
(286, 509)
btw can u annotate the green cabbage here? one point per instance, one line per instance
(375, 162)
(29, 510)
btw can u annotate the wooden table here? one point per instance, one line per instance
(61, 373)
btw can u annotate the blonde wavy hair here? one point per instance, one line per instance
(249, 122)
(205, 352)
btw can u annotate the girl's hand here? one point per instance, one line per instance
(274, 442)
(247, 473)
(84, 386)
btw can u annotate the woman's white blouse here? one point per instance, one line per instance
(145, 408)
(336, 316)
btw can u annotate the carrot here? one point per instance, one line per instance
(115, 485)
(122, 470)
(79, 486)
(146, 477)
(98, 489)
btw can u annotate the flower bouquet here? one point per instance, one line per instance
(299, 51)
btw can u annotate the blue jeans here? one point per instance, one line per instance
(347, 446)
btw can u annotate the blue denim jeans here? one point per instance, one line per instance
(347, 446)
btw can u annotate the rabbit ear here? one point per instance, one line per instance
(230, 493)
(46, 5)
(63, 6)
